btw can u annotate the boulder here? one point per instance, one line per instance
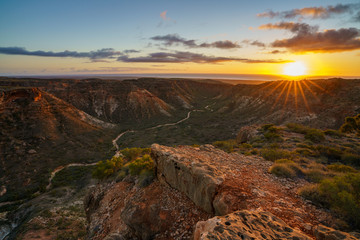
(192, 175)
(246, 133)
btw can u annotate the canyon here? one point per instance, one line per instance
(59, 125)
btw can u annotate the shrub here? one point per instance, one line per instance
(333, 133)
(271, 154)
(331, 153)
(267, 127)
(315, 135)
(341, 194)
(106, 168)
(350, 158)
(286, 168)
(131, 154)
(298, 128)
(341, 168)
(305, 152)
(352, 124)
(271, 133)
(227, 146)
(282, 170)
(303, 145)
(141, 164)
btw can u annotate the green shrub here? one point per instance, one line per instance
(341, 168)
(298, 128)
(333, 133)
(271, 133)
(131, 154)
(331, 153)
(350, 158)
(227, 146)
(346, 128)
(282, 170)
(315, 175)
(341, 194)
(351, 125)
(286, 168)
(267, 127)
(107, 168)
(303, 145)
(315, 135)
(272, 154)
(141, 164)
(305, 152)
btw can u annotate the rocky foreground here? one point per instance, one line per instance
(205, 193)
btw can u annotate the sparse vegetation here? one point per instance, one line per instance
(131, 154)
(272, 154)
(351, 125)
(285, 168)
(227, 146)
(107, 168)
(341, 194)
(136, 162)
(315, 135)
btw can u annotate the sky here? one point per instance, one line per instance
(48, 37)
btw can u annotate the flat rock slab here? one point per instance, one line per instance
(246, 225)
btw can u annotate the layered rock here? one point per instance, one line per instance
(188, 174)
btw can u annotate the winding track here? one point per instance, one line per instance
(114, 142)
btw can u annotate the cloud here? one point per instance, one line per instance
(163, 15)
(175, 39)
(254, 43)
(189, 57)
(166, 21)
(312, 12)
(291, 26)
(308, 39)
(96, 56)
(276, 52)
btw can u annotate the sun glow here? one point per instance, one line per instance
(294, 69)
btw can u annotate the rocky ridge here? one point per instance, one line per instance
(195, 183)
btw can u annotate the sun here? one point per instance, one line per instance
(294, 69)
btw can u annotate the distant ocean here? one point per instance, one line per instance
(260, 77)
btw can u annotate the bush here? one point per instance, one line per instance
(286, 168)
(350, 158)
(331, 153)
(271, 133)
(141, 165)
(341, 194)
(107, 168)
(333, 133)
(351, 125)
(272, 154)
(298, 128)
(282, 170)
(341, 168)
(131, 154)
(227, 146)
(315, 135)
(305, 152)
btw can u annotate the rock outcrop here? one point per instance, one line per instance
(322, 232)
(246, 225)
(127, 211)
(188, 174)
(193, 185)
